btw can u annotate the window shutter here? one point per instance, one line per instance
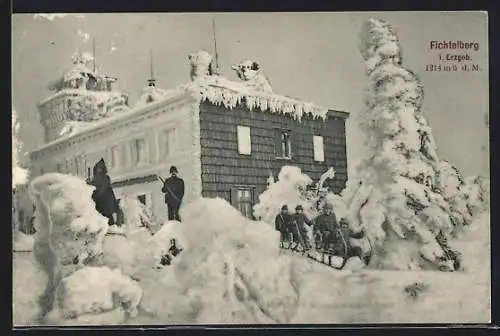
(244, 140)
(277, 143)
(318, 148)
(294, 144)
(234, 197)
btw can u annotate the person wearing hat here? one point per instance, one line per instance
(343, 244)
(325, 226)
(299, 222)
(282, 224)
(103, 195)
(173, 187)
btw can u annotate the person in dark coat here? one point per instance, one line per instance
(282, 224)
(325, 226)
(342, 243)
(103, 195)
(299, 222)
(174, 193)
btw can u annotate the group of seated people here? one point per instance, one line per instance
(330, 235)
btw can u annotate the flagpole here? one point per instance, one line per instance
(215, 47)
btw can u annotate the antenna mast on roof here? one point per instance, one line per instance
(216, 70)
(93, 54)
(151, 80)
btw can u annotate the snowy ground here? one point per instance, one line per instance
(272, 287)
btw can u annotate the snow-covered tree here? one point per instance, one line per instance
(291, 189)
(397, 196)
(20, 241)
(19, 174)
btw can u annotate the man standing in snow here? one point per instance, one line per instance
(282, 224)
(299, 222)
(173, 187)
(325, 226)
(103, 195)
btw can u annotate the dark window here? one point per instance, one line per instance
(142, 199)
(283, 144)
(242, 199)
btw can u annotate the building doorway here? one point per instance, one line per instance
(242, 198)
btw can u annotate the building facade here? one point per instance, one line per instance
(225, 140)
(240, 149)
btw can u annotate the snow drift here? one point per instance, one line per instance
(231, 271)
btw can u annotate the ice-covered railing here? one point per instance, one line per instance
(94, 105)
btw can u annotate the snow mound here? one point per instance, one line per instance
(94, 291)
(137, 216)
(159, 244)
(230, 272)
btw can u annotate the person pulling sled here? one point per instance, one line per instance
(325, 227)
(342, 244)
(282, 224)
(299, 229)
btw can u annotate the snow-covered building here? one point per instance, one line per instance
(225, 137)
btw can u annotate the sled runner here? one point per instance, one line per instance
(326, 256)
(334, 254)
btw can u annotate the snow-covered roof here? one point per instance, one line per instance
(216, 90)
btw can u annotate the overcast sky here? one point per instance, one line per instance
(311, 56)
